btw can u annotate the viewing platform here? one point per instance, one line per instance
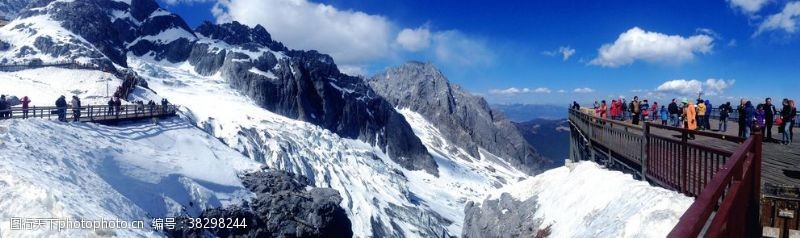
(725, 173)
(97, 113)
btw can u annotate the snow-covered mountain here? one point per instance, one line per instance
(246, 101)
(10, 8)
(464, 119)
(291, 110)
(577, 200)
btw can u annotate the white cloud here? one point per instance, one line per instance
(414, 39)
(454, 47)
(350, 37)
(562, 91)
(694, 87)
(176, 2)
(785, 20)
(637, 44)
(514, 91)
(748, 6)
(565, 51)
(353, 70)
(583, 90)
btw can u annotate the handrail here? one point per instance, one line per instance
(742, 171)
(92, 113)
(726, 181)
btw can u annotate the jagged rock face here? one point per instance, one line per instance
(282, 208)
(307, 86)
(503, 217)
(115, 29)
(464, 119)
(10, 8)
(235, 33)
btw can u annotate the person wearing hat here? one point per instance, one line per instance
(689, 117)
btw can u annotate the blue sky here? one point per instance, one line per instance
(547, 52)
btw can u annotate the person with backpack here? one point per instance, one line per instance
(61, 105)
(701, 114)
(742, 116)
(664, 115)
(25, 103)
(674, 113)
(724, 112)
(749, 118)
(645, 109)
(76, 108)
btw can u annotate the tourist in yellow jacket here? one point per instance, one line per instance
(701, 113)
(689, 116)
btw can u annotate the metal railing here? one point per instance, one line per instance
(727, 182)
(91, 113)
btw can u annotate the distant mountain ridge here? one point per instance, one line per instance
(549, 137)
(526, 112)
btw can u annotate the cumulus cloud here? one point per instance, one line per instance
(583, 90)
(454, 47)
(514, 91)
(637, 44)
(748, 6)
(785, 20)
(414, 39)
(350, 37)
(565, 51)
(693, 87)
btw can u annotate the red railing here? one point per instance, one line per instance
(734, 193)
(722, 172)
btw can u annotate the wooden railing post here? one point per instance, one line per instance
(683, 161)
(754, 206)
(645, 150)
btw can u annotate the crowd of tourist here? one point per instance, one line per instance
(696, 115)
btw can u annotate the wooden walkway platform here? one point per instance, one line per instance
(96, 113)
(722, 172)
(780, 163)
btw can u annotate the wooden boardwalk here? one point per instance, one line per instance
(722, 172)
(780, 163)
(97, 113)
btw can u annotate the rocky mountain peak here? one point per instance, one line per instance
(235, 33)
(465, 119)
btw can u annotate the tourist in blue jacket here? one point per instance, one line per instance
(664, 115)
(750, 115)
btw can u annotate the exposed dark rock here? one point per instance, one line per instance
(308, 86)
(464, 119)
(235, 33)
(282, 208)
(503, 217)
